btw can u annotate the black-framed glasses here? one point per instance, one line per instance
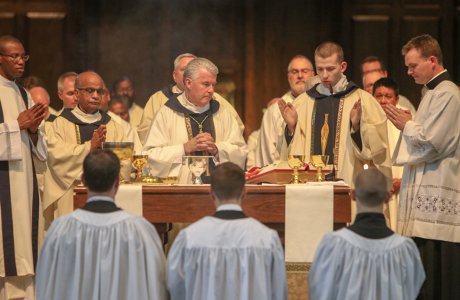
(100, 92)
(17, 57)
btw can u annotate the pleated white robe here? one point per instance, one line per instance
(88, 255)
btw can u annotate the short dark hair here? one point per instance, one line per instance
(371, 187)
(101, 169)
(426, 44)
(372, 58)
(227, 181)
(388, 83)
(119, 99)
(117, 82)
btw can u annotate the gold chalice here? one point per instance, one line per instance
(139, 162)
(319, 162)
(295, 162)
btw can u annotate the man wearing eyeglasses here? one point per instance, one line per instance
(271, 135)
(20, 139)
(429, 150)
(158, 99)
(71, 137)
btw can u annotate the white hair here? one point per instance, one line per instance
(196, 65)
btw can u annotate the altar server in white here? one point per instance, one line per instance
(229, 255)
(367, 260)
(101, 251)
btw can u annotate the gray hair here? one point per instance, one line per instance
(180, 56)
(371, 187)
(299, 56)
(196, 65)
(60, 82)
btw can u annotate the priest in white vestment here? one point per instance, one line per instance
(70, 138)
(20, 140)
(227, 256)
(272, 127)
(353, 123)
(193, 123)
(100, 251)
(158, 99)
(429, 150)
(366, 260)
(386, 91)
(125, 87)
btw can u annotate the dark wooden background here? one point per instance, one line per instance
(251, 41)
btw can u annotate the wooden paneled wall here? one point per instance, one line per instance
(251, 41)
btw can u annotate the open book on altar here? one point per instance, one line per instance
(281, 173)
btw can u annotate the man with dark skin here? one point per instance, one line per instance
(20, 138)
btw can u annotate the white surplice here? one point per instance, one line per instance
(227, 259)
(135, 115)
(429, 149)
(271, 135)
(16, 148)
(88, 255)
(349, 266)
(168, 134)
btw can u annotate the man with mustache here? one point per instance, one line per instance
(272, 128)
(70, 138)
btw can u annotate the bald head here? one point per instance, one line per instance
(40, 95)
(89, 90)
(7, 39)
(371, 188)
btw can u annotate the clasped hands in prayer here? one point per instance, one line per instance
(201, 142)
(31, 118)
(98, 137)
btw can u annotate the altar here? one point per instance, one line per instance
(163, 204)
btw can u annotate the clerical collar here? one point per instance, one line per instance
(313, 92)
(6, 82)
(84, 117)
(371, 225)
(340, 86)
(176, 90)
(229, 212)
(175, 104)
(440, 77)
(100, 198)
(229, 207)
(190, 106)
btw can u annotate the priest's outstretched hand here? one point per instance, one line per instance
(289, 114)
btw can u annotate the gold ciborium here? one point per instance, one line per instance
(197, 166)
(319, 162)
(124, 152)
(295, 162)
